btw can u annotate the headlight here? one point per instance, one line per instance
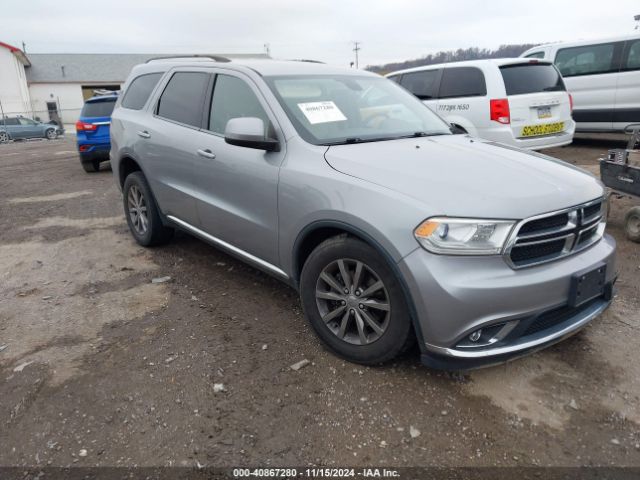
(463, 236)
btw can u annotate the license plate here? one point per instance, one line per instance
(587, 285)
(544, 112)
(546, 129)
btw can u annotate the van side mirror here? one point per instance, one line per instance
(249, 132)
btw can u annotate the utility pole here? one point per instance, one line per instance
(637, 19)
(267, 49)
(356, 48)
(24, 47)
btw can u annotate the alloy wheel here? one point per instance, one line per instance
(353, 301)
(137, 210)
(51, 134)
(4, 137)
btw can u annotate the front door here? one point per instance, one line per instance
(29, 128)
(238, 186)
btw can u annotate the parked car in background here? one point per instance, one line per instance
(603, 76)
(522, 103)
(92, 131)
(342, 184)
(20, 128)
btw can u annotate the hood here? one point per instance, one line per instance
(460, 176)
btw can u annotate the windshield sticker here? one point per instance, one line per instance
(321, 112)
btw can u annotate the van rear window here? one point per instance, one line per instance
(102, 108)
(531, 78)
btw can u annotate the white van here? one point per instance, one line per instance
(518, 102)
(604, 78)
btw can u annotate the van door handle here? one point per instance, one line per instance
(206, 153)
(144, 134)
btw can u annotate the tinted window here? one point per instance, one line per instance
(587, 60)
(233, 98)
(183, 97)
(462, 82)
(101, 108)
(9, 121)
(535, 55)
(422, 84)
(633, 56)
(531, 78)
(26, 121)
(139, 90)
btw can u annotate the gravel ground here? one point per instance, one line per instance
(102, 366)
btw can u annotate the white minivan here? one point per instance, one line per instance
(603, 76)
(518, 102)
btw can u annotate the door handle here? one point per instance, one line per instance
(144, 134)
(206, 153)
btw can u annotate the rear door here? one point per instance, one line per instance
(167, 142)
(98, 113)
(423, 84)
(627, 109)
(538, 101)
(590, 74)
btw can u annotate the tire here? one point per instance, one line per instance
(347, 328)
(51, 134)
(91, 166)
(632, 224)
(141, 211)
(4, 137)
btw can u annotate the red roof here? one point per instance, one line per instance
(10, 47)
(17, 52)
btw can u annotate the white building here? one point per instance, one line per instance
(54, 86)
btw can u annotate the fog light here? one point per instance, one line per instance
(475, 336)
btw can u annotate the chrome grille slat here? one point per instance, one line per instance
(583, 226)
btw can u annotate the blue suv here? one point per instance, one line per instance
(92, 129)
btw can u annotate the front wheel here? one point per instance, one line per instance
(51, 134)
(143, 216)
(632, 224)
(354, 302)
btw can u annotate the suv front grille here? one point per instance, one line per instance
(555, 235)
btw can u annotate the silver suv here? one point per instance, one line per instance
(347, 187)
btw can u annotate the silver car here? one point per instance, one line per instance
(20, 128)
(345, 186)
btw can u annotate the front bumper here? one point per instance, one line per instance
(454, 296)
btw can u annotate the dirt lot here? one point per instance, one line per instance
(104, 367)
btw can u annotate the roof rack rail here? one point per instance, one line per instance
(217, 58)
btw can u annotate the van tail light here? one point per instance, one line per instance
(570, 103)
(85, 127)
(500, 111)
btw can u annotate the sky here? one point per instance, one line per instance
(391, 30)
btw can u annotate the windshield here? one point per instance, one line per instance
(330, 110)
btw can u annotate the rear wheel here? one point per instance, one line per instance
(632, 224)
(354, 302)
(143, 216)
(51, 134)
(91, 166)
(4, 137)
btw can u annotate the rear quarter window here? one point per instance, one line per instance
(99, 108)
(139, 91)
(586, 60)
(462, 82)
(525, 78)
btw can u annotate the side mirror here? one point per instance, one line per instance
(249, 132)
